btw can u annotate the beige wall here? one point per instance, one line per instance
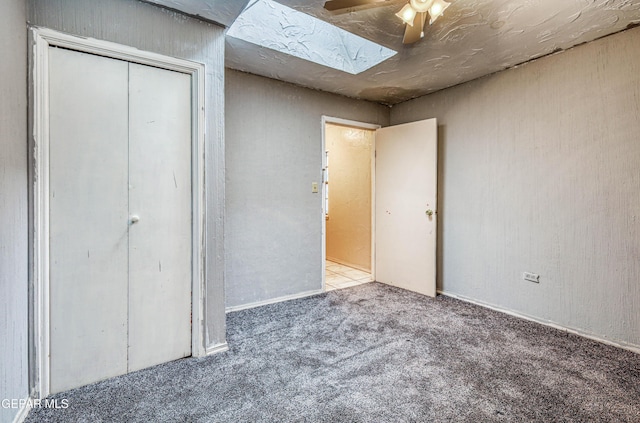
(349, 222)
(539, 171)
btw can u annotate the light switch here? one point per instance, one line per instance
(314, 187)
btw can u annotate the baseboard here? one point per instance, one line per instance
(355, 266)
(273, 300)
(218, 348)
(619, 344)
(22, 412)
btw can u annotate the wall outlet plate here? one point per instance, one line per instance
(531, 277)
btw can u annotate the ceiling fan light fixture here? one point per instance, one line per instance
(421, 5)
(437, 9)
(407, 14)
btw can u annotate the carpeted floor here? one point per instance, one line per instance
(374, 353)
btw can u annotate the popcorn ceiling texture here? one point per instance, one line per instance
(474, 38)
(375, 353)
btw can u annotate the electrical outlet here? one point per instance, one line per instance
(531, 277)
(314, 187)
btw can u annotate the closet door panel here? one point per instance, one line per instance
(160, 200)
(88, 218)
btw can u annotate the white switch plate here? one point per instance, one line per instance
(531, 277)
(314, 187)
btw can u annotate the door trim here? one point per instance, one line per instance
(40, 41)
(359, 125)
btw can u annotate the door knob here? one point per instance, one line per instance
(429, 212)
(134, 219)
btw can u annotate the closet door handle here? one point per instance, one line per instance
(134, 219)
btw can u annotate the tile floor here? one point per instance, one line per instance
(340, 276)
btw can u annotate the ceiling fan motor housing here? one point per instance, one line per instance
(421, 5)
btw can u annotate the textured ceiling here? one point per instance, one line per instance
(474, 38)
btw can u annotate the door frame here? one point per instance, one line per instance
(357, 125)
(40, 41)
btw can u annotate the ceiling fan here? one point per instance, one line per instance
(414, 13)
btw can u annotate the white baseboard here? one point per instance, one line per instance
(218, 348)
(620, 344)
(345, 263)
(22, 413)
(273, 300)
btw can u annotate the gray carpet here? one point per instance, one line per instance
(374, 353)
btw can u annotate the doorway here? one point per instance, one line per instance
(118, 220)
(403, 223)
(349, 167)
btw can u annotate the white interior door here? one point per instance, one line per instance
(88, 209)
(160, 199)
(406, 189)
(120, 220)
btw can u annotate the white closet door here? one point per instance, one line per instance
(160, 197)
(88, 218)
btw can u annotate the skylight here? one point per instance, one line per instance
(280, 28)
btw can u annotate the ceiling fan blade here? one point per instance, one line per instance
(414, 33)
(346, 6)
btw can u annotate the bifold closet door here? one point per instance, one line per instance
(120, 217)
(160, 197)
(88, 212)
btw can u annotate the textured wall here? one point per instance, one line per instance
(223, 12)
(539, 171)
(13, 205)
(349, 223)
(151, 28)
(273, 232)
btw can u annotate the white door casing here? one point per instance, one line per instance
(42, 39)
(359, 125)
(406, 194)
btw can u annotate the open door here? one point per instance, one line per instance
(406, 188)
